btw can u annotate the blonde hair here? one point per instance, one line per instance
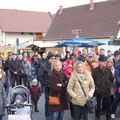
(53, 64)
(95, 57)
(3, 74)
(85, 72)
(110, 61)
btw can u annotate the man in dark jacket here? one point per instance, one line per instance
(103, 79)
(15, 68)
(44, 71)
(82, 57)
(117, 94)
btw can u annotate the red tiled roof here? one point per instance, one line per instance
(98, 23)
(24, 21)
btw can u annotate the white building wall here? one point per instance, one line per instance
(10, 38)
(1, 38)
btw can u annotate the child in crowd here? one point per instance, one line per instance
(35, 92)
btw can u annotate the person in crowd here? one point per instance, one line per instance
(56, 53)
(3, 99)
(37, 63)
(103, 79)
(83, 56)
(88, 62)
(4, 64)
(35, 93)
(7, 68)
(73, 57)
(28, 58)
(15, 68)
(34, 56)
(68, 69)
(75, 52)
(57, 57)
(117, 93)
(110, 65)
(79, 101)
(4, 80)
(68, 57)
(74, 62)
(58, 85)
(102, 52)
(64, 62)
(44, 71)
(26, 71)
(43, 60)
(116, 57)
(62, 56)
(95, 62)
(20, 59)
(109, 54)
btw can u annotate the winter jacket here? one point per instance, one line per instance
(3, 98)
(81, 58)
(117, 73)
(29, 59)
(69, 61)
(26, 68)
(68, 70)
(88, 67)
(44, 71)
(103, 82)
(75, 91)
(15, 66)
(55, 78)
(35, 92)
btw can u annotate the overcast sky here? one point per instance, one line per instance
(41, 5)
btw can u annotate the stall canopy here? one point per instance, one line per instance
(40, 44)
(80, 42)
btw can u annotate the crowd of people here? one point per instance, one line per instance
(61, 76)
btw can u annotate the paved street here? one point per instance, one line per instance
(40, 115)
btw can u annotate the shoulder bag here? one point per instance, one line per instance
(90, 103)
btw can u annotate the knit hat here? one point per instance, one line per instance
(34, 80)
(50, 55)
(102, 58)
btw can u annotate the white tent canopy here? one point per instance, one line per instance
(40, 44)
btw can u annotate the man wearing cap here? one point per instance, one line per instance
(116, 57)
(88, 62)
(103, 79)
(109, 54)
(44, 71)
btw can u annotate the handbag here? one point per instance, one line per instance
(54, 100)
(90, 103)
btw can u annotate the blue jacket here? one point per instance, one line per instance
(117, 73)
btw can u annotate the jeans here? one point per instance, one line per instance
(0, 117)
(47, 91)
(77, 110)
(107, 106)
(115, 102)
(57, 115)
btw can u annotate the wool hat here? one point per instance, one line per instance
(34, 80)
(102, 58)
(57, 55)
(109, 51)
(63, 59)
(50, 55)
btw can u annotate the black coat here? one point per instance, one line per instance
(81, 58)
(103, 82)
(44, 71)
(15, 66)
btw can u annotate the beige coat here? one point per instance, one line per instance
(75, 91)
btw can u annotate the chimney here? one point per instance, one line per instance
(60, 9)
(91, 5)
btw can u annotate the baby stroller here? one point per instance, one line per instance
(20, 104)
